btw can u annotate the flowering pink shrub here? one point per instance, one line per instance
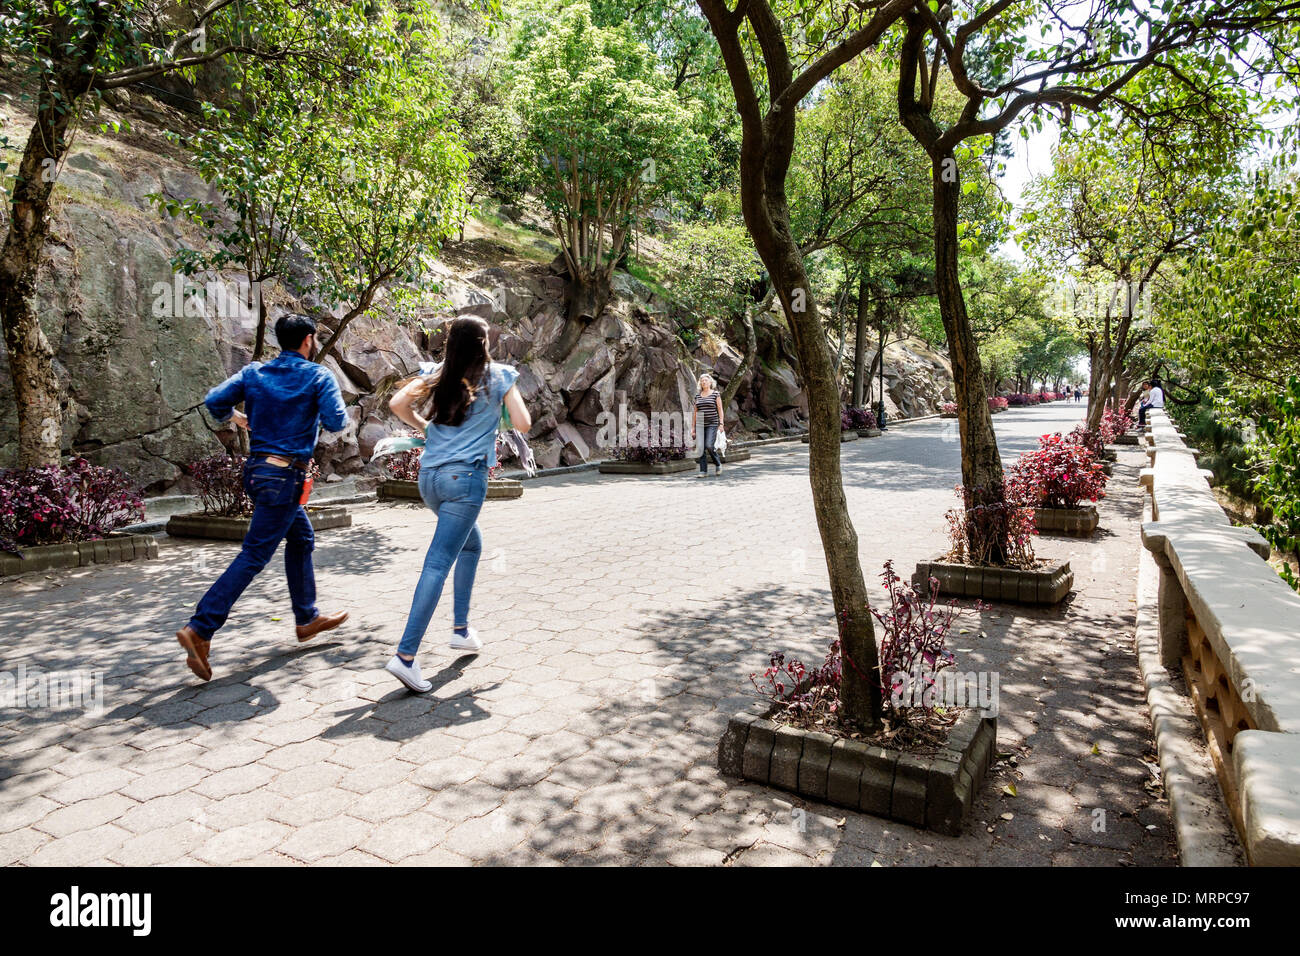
(1017, 399)
(1061, 474)
(55, 504)
(948, 408)
(996, 402)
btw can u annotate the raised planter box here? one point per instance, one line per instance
(947, 414)
(647, 468)
(734, 455)
(322, 518)
(869, 432)
(1077, 521)
(1045, 585)
(114, 549)
(393, 489)
(934, 791)
(846, 435)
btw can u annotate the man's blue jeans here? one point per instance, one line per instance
(276, 515)
(455, 493)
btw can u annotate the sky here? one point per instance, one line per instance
(1031, 157)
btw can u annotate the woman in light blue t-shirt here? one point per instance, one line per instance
(457, 406)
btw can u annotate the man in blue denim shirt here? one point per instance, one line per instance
(286, 401)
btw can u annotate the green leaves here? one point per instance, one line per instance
(609, 135)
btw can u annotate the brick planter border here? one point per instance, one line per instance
(113, 549)
(935, 792)
(847, 434)
(869, 432)
(1081, 521)
(396, 489)
(1046, 586)
(322, 518)
(647, 468)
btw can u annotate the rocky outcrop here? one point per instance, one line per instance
(138, 347)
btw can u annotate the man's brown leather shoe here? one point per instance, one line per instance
(196, 651)
(322, 622)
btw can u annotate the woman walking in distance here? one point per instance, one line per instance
(456, 406)
(707, 412)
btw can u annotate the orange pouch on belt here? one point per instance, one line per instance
(306, 490)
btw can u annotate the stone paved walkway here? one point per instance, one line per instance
(622, 618)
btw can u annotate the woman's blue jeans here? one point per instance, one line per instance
(710, 439)
(455, 493)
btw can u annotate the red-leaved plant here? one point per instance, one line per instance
(990, 529)
(798, 694)
(853, 418)
(1115, 423)
(405, 465)
(913, 645)
(56, 504)
(219, 481)
(650, 454)
(1060, 474)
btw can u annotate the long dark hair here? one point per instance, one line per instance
(448, 392)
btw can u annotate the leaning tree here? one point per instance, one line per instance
(760, 64)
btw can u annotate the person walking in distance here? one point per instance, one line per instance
(708, 413)
(286, 402)
(457, 407)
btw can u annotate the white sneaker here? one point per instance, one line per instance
(469, 642)
(408, 675)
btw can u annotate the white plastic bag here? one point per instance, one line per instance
(720, 443)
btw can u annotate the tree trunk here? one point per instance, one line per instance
(41, 403)
(751, 349)
(981, 463)
(363, 303)
(585, 299)
(259, 339)
(860, 347)
(767, 216)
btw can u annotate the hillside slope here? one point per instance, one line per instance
(138, 352)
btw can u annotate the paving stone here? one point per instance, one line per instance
(85, 815)
(242, 842)
(590, 725)
(326, 838)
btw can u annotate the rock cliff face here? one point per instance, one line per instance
(138, 351)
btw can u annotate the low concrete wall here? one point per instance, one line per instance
(1233, 627)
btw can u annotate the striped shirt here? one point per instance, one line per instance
(706, 407)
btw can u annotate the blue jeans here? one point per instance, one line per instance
(455, 493)
(276, 516)
(710, 439)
